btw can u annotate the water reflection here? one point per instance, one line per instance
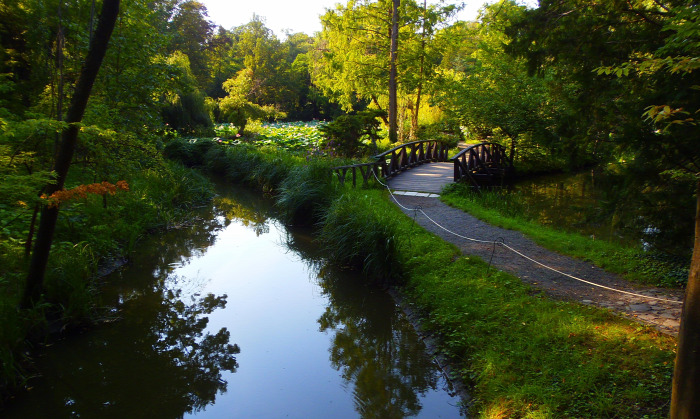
(248, 215)
(375, 348)
(159, 363)
(170, 353)
(614, 205)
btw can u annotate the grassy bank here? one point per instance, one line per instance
(523, 354)
(631, 262)
(92, 232)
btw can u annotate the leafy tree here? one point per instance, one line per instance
(191, 34)
(185, 110)
(566, 41)
(491, 92)
(49, 214)
(346, 133)
(377, 51)
(237, 108)
(264, 58)
(224, 61)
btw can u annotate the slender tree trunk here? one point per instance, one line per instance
(60, 39)
(416, 109)
(69, 138)
(376, 103)
(393, 108)
(685, 397)
(30, 235)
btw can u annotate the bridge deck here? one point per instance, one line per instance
(428, 178)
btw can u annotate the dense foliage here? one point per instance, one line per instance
(565, 85)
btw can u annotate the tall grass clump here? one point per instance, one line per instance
(361, 232)
(69, 284)
(307, 191)
(263, 168)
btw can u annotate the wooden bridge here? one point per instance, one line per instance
(484, 164)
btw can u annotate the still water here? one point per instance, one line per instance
(236, 316)
(611, 206)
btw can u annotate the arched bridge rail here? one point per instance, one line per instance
(482, 164)
(396, 160)
(410, 155)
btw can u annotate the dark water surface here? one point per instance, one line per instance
(236, 317)
(609, 206)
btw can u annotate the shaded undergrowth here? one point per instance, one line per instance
(92, 232)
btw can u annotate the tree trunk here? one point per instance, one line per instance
(69, 138)
(416, 109)
(382, 116)
(393, 108)
(685, 397)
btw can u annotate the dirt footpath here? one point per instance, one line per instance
(662, 315)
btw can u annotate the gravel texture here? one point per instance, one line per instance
(662, 315)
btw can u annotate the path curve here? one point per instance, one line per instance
(661, 315)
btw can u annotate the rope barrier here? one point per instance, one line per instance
(503, 244)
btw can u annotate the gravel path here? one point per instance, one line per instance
(661, 315)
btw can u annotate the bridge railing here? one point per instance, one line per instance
(482, 163)
(411, 154)
(394, 161)
(365, 170)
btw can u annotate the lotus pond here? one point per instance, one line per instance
(293, 136)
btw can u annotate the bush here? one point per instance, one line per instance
(447, 132)
(346, 133)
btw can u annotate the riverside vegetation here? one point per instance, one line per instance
(564, 85)
(95, 232)
(523, 354)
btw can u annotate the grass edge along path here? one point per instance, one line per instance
(523, 354)
(632, 263)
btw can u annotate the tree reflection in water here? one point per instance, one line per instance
(159, 359)
(375, 348)
(159, 362)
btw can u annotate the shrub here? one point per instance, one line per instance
(447, 131)
(345, 133)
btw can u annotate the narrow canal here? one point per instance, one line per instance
(236, 316)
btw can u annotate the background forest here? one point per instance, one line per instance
(570, 84)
